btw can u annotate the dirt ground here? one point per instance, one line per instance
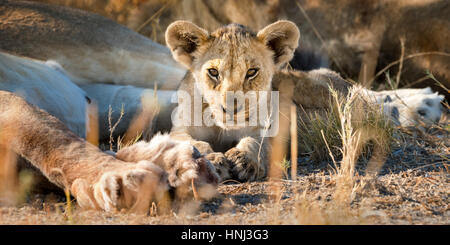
(407, 197)
(413, 187)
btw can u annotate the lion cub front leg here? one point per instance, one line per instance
(249, 159)
(217, 159)
(202, 146)
(221, 164)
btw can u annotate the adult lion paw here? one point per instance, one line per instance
(183, 163)
(130, 186)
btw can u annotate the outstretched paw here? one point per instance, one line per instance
(182, 162)
(132, 187)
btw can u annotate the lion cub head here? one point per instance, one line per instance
(232, 59)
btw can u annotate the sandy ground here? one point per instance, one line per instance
(413, 187)
(408, 197)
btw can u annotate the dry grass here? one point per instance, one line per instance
(410, 197)
(322, 134)
(411, 188)
(353, 168)
(351, 124)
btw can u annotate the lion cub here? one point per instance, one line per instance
(231, 60)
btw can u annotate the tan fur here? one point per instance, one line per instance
(98, 180)
(311, 94)
(181, 161)
(70, 162)
(210, 14)
(91, 48)
(311, 89)
(359, 37)
(231, 50)
(44, 85)
(362, 37)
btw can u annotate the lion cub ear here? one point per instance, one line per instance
(183, 39)
(282, 38)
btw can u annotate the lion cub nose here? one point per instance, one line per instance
(237, 107)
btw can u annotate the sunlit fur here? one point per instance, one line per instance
(139, 174)
(45, 85)
(408, 107)
(414, 110)
(181, 161)
(231, 50)
(90, 47)
(97, 180)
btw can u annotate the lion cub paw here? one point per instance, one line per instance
(248, 160)
(132, 187)
(221, 164)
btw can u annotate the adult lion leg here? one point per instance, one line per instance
(97, 180)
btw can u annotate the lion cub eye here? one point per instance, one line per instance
(251, 73)
(214, 73)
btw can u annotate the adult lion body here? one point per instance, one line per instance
(96, 179)
(91, 48)
(232, 59)
(72, 163)
(361, 40)
(45, 86)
